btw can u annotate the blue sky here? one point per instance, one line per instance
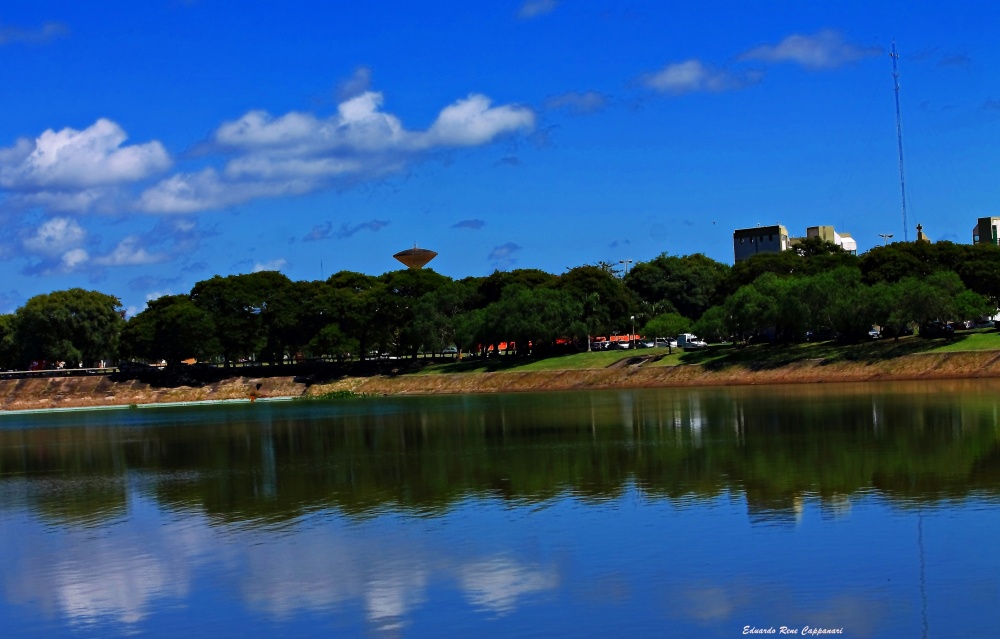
(147, 146)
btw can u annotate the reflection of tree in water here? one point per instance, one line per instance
(777, 446)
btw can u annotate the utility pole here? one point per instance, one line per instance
(899, 137)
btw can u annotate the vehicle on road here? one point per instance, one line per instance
(690, 340)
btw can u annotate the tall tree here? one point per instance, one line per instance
(8, 347)
(690, 283)
(75, 326)
(171, 328)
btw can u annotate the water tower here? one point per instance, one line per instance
(415, 258)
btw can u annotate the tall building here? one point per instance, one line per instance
(774, 239)
(985, 231)
(763, 239)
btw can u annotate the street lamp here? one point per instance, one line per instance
(626, 263)
(632, 336)
(885, 238)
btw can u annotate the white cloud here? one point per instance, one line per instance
(55, 237)
(93, 170)
(129, 253)
(299, 153)
(75, 160)
(74, 258)
(823, 50)
(692, 76)
(273, 265)
(193, 192)
(473, 121)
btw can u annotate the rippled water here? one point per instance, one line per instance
(701, 512)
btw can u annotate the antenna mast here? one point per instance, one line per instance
(899, 138)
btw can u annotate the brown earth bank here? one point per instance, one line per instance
(95, 391)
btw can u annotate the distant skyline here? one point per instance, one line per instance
(147, 146)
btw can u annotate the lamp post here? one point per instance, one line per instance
(626, 263)
(632, 336)
(885, 238)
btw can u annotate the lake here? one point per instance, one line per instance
(861, 510)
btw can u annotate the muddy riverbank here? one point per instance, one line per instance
(45, 393)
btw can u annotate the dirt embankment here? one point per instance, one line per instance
(44, 393)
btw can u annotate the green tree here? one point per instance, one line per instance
(713, 325)
(748, 311)
(8, 347)
(532, 319)
(235, 306)
(171, 328)
(606, 302)
(402, 290)
(690, 283)
(435, 315)
(666, 325)
(75, 326)
(330, 340)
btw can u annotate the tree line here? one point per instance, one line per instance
(267, 317)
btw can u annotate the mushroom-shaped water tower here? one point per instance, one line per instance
(415, 257)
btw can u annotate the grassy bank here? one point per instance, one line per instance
(968, 355)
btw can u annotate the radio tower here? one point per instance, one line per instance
(899, 138)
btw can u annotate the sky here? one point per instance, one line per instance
(147, 146)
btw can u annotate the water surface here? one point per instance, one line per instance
(677, 512)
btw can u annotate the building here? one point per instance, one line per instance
(774, 239)
(985, 231)
(843, 240)
(763, 239)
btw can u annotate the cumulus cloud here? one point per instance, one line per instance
(469, 224)
(823, 50)
(45, 33)
(54, 237)
(273, 265)
(578, 103)
(504, 256)
(259, 156)
(534, 8)
(55, 246)
(128, 252)
(694, 76)
(74, 161)
(298, 153)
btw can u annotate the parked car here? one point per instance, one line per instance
(450, 350)
(665, 342)
(937, 329)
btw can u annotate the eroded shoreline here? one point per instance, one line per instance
(79, 392)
